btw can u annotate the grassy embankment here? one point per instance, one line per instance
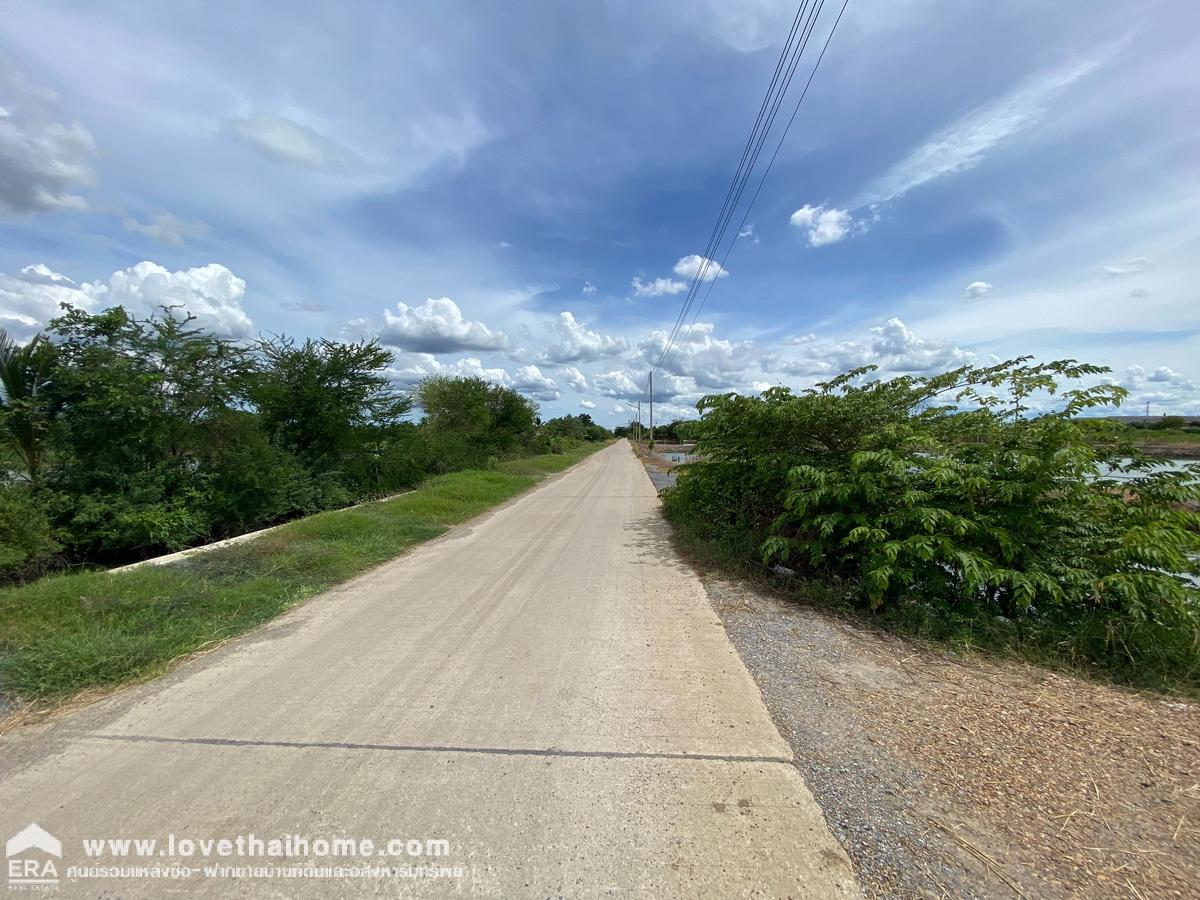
(66, 633)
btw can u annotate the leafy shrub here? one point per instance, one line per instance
(27, 541)
(973, 505)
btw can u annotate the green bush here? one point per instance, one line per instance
(972, 507)
(27, 543)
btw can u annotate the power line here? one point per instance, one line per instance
(739, 178)
(767, 170)
(799, 48)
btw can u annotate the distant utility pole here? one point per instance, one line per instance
(651, 410)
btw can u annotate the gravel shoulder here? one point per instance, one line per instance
(944, 776)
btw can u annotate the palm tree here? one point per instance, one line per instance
(24, 378)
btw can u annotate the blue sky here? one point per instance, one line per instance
(516, 189)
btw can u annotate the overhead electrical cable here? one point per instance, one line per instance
(739, 176)
(793, 51)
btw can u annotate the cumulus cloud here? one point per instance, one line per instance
(1164, 389)
(748, 234)
(44, 160)
(588, 289)
(977, 289)
(658, 287)
(575, 379)
(618, 383)
(437, 326)
(797, 340)
(712, 362)
(693, 265)
(211, 293)
(622, 384)
(577, 343)
(892, 346)
(409, 369)
(34, 296)
(1133, 266)
(167, 228)
(530, 380)
(822, 225)
(587, 404)
(285, 140)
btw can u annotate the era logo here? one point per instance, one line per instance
(29, 853)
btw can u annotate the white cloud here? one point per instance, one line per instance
(287, 141)
(579, 344)
(409, 369)
(32, 297)
(437, 326)
(712, 362)
(211, 293)
(761, 386)
(796, 340)
(748, 233)
(530, 380)
(822, 225)
(977, 289)
(167, 228)
(658, 287)
(587, 404)
(576, 380)
(892, 346)
(963, 144)
(588, 289)
(617, 409)
(618, 383)
(1133, 266)
(43, 160)
(1164, 389)
(630, 387)
(692, 265)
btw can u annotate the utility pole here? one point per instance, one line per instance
(651, 410)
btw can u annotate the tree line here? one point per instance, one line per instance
(124, 437)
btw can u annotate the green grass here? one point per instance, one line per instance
(1165, 436)
(67, 633)
(540, 466)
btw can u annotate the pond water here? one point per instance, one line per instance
(678, 457)
(1168, 465)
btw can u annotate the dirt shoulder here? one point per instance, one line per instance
(945, 776)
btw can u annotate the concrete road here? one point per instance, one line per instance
(545, 689)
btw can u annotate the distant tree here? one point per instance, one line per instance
(469, 420)
(575, 428)
(330, 403)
